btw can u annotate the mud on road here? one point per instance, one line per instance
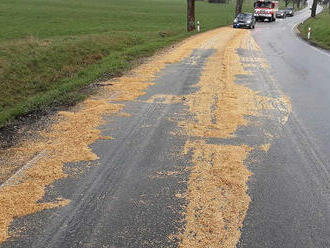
(159, 158)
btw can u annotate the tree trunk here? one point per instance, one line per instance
(239, 4)
(313, 13)
(298, 4)
(190, 15)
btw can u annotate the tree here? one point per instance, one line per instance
(190, 15)
(298, 4)
(313, 13)
(239, 4)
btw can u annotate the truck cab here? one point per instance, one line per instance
(265, 9)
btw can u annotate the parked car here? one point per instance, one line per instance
(244, 20)
(289, 11)
(281, 13)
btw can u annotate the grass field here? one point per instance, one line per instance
(50, 49)
(320, 25)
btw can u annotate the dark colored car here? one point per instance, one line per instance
(281, 13)
(289, 11)
(244, 20)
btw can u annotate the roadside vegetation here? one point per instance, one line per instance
(297, 4)
(320, 26)
(50, 50)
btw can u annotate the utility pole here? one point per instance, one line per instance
(190, 15)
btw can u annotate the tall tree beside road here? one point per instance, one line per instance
(239, 4)
(190, 15)
(313, 13)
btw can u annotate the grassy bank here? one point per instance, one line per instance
(49, 49)
(320, 34)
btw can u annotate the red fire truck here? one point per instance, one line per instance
(265, 9)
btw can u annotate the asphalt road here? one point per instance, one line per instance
(290, 187)
(136, 193)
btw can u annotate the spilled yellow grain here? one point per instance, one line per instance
(217, 195)
(232, 102)
(265, 147)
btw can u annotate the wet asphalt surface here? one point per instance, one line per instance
(290, 188)
(127, 199)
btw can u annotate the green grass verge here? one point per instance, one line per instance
(320, 34)
(50, 49)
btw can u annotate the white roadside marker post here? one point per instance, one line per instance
(309, 33)
(198, 27)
